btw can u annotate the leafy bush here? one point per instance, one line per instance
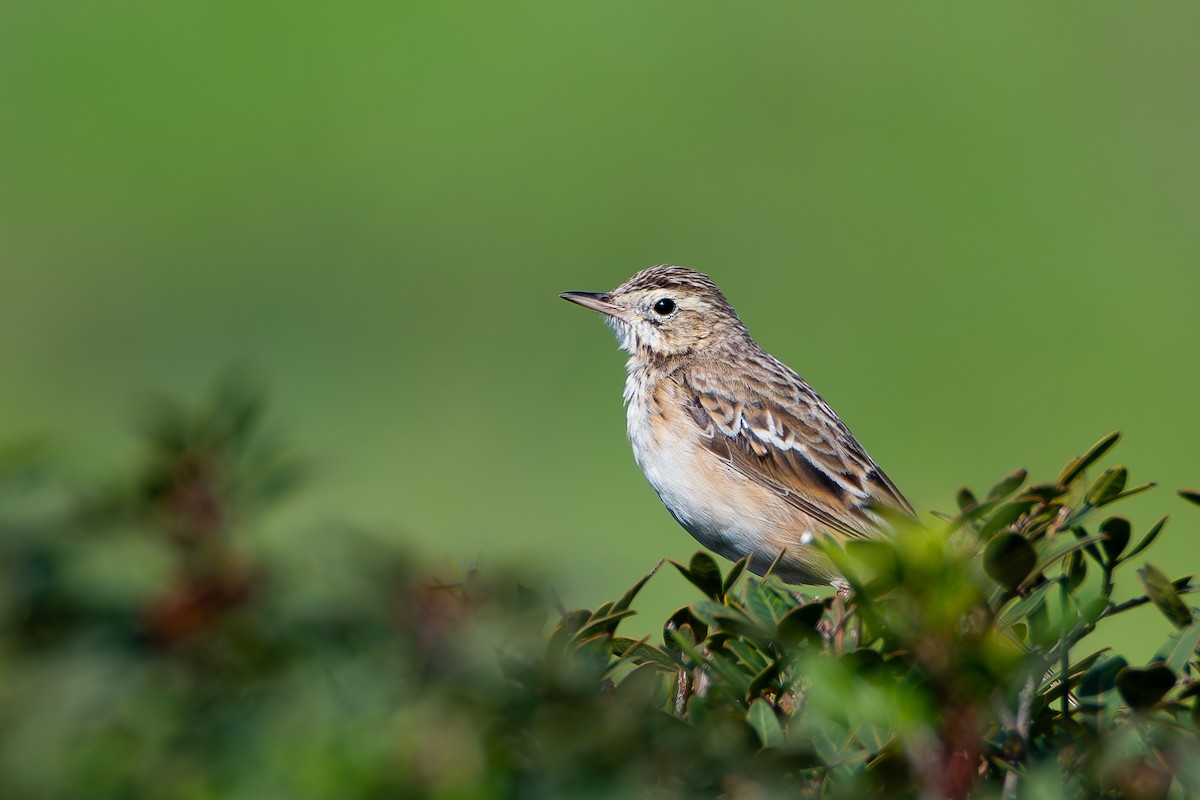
(149, 648)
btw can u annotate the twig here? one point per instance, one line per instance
(1023, 723)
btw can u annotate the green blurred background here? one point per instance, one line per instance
(975, 228)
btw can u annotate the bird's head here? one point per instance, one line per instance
(665, 311)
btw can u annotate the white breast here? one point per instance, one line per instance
(707, 498)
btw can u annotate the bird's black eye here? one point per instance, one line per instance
(664, 306)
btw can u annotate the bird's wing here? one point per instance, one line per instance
(783, 436)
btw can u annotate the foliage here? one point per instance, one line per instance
(151, 646)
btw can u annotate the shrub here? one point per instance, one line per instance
(149, 650)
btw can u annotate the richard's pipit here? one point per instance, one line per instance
(743, 453)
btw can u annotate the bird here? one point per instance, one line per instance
(744, 454)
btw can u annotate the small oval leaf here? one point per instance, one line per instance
(1076, 570)
(1107, 487)
(1009, 559)
(1116, 532)
(800, 624)
(1143, 687)
(764, 722)
(1009, 485)
(965, 499)
(1162, 593)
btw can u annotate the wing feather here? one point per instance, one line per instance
(784, 437)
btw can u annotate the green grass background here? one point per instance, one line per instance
(975, 228)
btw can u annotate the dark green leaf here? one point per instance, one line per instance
(1076, 466)
(1091, 549)
(863, 661)
(1042, 492)
(1143, 687)
(1108, 487)
(1191, 495)
(965, 498)
(1009, 485)
(1162, 593)
(1116, 532)
(1075, 570)
(1009, 559)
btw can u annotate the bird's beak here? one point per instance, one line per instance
(597, 301)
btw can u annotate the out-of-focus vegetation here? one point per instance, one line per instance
(148, 650)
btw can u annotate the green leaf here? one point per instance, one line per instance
(606, 624)
(1163, 594)
(1009, 559)
(1141, 487)
(965, 499)
(800, 624)
(1076, 466)
(1005, 516)
(1091, 549)
(1185, 647)
(749, 657)
(1026, 606)
(641, 651)
(1116, 532)
(627, 598)
(1107, 488)
(1076, 570)
(1075, 674)
(735, 622)
(704, 574)
(732, 578)
(1059, 547)
(767, 676)
(765, 605)
(1102, 676)
(686, 624)
(1084, 664)
(1191, 495)
(762, 719)
(1143, 687)
(1042, 492)
(1009, 485)
(1148, 539)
